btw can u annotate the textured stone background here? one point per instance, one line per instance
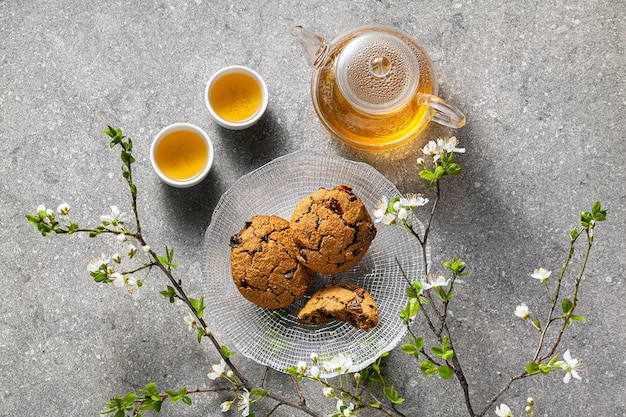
(541, 83)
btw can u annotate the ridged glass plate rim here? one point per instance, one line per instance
(273, 337)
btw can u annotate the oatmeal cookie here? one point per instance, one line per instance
(264, 266)
(332, 229)
(343, 302)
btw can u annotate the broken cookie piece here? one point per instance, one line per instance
(343, 302)
(264, 266)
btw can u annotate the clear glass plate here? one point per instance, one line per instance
(274, 337)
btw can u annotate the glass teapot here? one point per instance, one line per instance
(374, 87)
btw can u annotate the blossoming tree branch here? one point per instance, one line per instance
(428, 297)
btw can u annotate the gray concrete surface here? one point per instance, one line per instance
(541, 83)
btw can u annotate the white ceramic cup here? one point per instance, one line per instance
(252, 119)
(205, 169)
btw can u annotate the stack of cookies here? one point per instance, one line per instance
(274, 260)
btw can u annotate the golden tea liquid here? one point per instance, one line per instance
(236, 97)
(372, 131)
(181, 155)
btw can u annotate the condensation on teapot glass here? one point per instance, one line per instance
(377, 73)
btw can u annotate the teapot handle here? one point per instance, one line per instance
(445, 114)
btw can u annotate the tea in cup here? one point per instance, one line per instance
(182, 155)
(236, 97)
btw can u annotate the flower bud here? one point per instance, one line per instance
(530, 401)
(225, 406)
(230, 374)
(145, 248)
(329, 392)
(357, 377)
(315, 372)
(121, 237)
(314, 358)
(301, 367)
(116, 258)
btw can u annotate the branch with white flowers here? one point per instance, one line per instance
(432, 295)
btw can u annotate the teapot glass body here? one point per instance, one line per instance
(368, 126)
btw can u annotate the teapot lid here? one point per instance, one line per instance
(377, 72)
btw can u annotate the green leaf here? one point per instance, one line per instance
(428, 368)
(566, 305)
(574, 233)
(259, 392)
(427, 174)
(437, 350)
(226, 352)
(409, 349)
(578, 318)
(392, 395)
(447, 355)
(439, 172)
(200, 334)
(445, 372)
(453, 169)
(186, 400)
(532, 368)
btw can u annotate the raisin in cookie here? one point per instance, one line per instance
(343, 302)
(264, 266)
(332, 229)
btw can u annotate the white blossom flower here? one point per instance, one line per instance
(339, 363)
(189, 320)
(346, 410)
(435, 281)
(403, 213)
(113, 220)
(314, 357)
(542, 274)
(389, 218)
(449, 145)
(414, 200)
(41, 208)
(50, 213)
(522, 311)
(315, 371)
(131, 250)
(441, 146)
(118, 280)
(217, 370)
(97, 262)
(63, 209)
(226, 406)
(570, 364)
(244, 403)
(132, 286)
(503, 410)
(329, 392)
(381, 209)
(432, 149)
(117, 258)
(301, 367)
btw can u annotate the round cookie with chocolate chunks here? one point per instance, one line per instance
(343, 302)
(264, 266)
(332, 229)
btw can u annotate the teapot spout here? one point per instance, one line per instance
(314, 48)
